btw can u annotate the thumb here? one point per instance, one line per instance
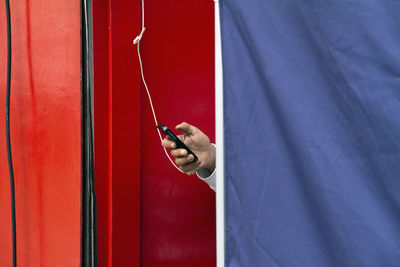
(185, 128)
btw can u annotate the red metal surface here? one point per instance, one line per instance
(102, 140)
(148, 213)
(178, 211)
(117, 132)
(126, 128)
(45, 132)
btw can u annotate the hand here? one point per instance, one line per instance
(199, 143)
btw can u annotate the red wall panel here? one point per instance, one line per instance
(178, 211)
(117, 124)
(126, 126)
(101, 129)
(45, 132)
(149, 214)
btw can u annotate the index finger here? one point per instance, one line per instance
(184, 128)
(168, 143)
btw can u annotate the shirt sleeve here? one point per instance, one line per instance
(207, 177)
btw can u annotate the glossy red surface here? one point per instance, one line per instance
(101, 130)
(178, 211)
(117, 108)
(45, 132)
(149, 214)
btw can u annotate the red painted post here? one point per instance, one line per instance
(117, 132)
(45, 133)
(102, 130)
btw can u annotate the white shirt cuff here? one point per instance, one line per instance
(207, 177)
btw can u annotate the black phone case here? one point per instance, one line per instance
(178, 142)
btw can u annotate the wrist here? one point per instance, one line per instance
(211, 158)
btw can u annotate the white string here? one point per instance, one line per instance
(136, 41)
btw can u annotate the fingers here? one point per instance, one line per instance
(187, 165)
(185, 128)
(181, 161)
(185, 161)
(168, 143)
(182, 158)
(190, 168)
(179, 152)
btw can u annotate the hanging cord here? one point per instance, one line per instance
(136, 41)
(10, 163)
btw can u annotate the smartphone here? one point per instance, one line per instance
(178, 142)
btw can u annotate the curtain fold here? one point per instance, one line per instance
(312, 132)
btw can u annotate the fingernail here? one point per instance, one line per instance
(183, 152)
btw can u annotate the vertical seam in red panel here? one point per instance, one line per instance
(110, 140)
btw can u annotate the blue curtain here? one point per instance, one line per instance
(312, 132)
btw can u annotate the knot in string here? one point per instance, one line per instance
(139, 37)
